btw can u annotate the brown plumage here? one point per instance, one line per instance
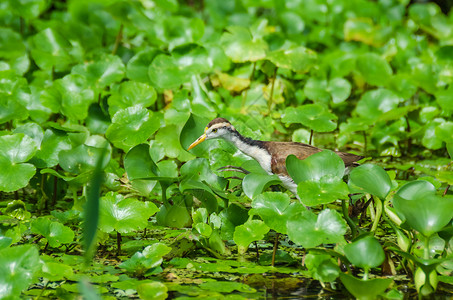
(270, 155)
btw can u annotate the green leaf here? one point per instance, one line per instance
(139, 164)
(16, 149)
(132, 126)
(314, 116)
(365, 289)
(365, 252)
(227, 287)
(275, 209)
(50, 49)
(69, 95)
(83, 158)
(194, 128)
(53, 142)
(131, 93)
(152, 290)
(371, 179)
(339, 89)
(11, 44)
(102, 72)
(298, 59)
(55, 232)
(28, 9)
(322, 267)
(180, 30)
(319, 177)
(254, 184)
(309, 230)
(374, 103)
(374, 69)
(18, 269)
(124, 215)
(54, 271)
(239, 45)
(418, 205)
(250, 231)
(138, 65)
(149, 258)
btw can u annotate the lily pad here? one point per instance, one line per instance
(239, 45)
(250, 231)
(371, 179)
(55, 232)
(365, 252)
(374, 69)
(15, 150)
(298, 59)
(318, 177)
(310, 230)
(314, 116)
(418, 205)
(124, 215)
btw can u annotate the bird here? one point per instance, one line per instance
(270, 155)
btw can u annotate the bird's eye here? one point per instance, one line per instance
(214, 130)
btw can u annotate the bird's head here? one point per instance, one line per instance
(218, 128)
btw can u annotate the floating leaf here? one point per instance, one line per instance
(152, 290)
(376, 102)
(250, 231)
(314, 116)
(124, 215)
(365, 289)
(371, 179)
(298, 59)
(131, 93)
(365, 252)
(309, 230)
(254, 184)
(15, 150)
(149, 258)
(374, 69)
(239, 45)
(418, 205)
(18, 269)
(319, 177)
(132, 126)
(275, 209)
(55, 232)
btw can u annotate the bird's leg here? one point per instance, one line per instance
(233, 169)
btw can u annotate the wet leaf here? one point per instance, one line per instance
(239, 45)
(250, 231)
(55, 232)
(371, 179)
(365, 252)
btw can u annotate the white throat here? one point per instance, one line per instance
(259, 154)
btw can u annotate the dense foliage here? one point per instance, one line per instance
(99, 101)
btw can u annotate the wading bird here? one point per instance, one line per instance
(270, 155)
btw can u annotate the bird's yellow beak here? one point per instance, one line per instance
(199, 140)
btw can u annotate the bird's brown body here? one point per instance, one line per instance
(270, 155)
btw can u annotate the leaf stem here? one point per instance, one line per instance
(426, 248)
(118, 39)
(379, 205)
(350, 222)
(311, 136)
(446, 190)
(118, 243)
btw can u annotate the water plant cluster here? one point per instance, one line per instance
(99, 101)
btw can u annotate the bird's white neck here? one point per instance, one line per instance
(254, 151)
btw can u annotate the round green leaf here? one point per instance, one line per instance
(17, 148)
(376, 102)
(309, 230)
(374, 69)
(313, 193)
(132, 126)
(138, 65)
(298, 59)
(152, 290)
(194, 128)
(254, 184)
(316, 89)
(339, 89)
(50, 49)
(180, 30)
(11, 44)
(324, 166)
(139, 164)
(250, 231)
(102, 72)
(365, 289)
(275, 209)
(28, 9)
(371, 179)
(419, 206)
(83, 158)
(55, 232)
(365, 252)
(445, 98)
(53, 142)
(239, 45)
(322, 267)
(314, 116)
(18, 269)
(15, 176)
(124, 215)
(131, 93)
